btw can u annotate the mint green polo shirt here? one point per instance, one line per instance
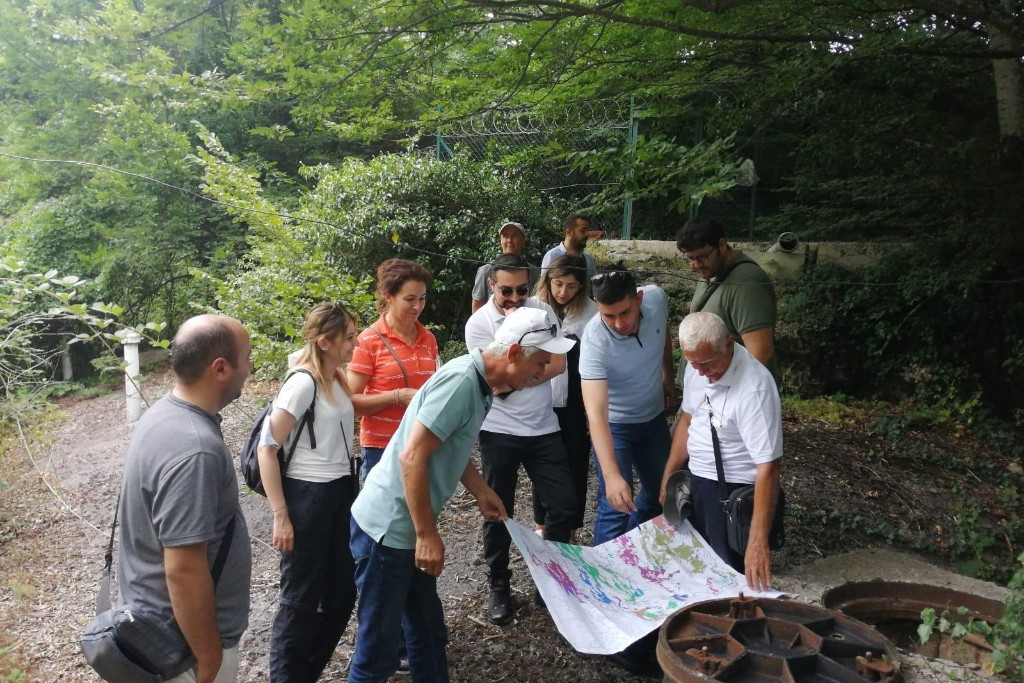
(452, 405)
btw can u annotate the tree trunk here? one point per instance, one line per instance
(1009, 81)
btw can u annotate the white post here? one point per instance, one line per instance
(131, 343)
(65, 360)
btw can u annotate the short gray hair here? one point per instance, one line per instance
(496, 348)
(703, 328)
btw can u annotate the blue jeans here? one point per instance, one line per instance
(371, 456)
(396, 597)
(640, 448)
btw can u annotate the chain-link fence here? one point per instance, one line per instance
(529, 141)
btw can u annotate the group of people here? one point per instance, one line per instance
(566, 364)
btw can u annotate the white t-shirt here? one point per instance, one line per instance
(527, 412)
(559, 250)
(747, 413)
(333, 424)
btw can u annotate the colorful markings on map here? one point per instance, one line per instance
(604, 598)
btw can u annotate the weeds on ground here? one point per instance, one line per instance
(1006, 638)
(836, 409)
(987, 519)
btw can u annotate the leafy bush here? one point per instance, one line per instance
(443, 214)
(943, 331)
(283, 275)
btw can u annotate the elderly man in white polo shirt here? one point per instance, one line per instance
(726, 387)
(522, 428)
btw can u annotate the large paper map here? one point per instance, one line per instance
(606, 597)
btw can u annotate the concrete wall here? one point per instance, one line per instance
(777, 264)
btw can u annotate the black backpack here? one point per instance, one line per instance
(251, 462)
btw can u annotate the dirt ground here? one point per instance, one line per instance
(847, 490)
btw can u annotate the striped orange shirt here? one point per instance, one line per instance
(372, 358)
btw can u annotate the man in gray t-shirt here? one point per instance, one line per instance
(513, 241)
(178, 494)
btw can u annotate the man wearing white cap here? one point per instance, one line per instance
(395, 541)
(522, 428)
(513, 241)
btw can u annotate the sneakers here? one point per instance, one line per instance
(499, 610)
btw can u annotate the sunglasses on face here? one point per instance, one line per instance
(521, 290)
(553, 331)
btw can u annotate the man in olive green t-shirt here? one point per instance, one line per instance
(733, 287)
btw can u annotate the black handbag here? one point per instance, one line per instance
(127, 644)
(739, 504)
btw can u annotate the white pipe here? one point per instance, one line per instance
(65, 360)
(132, 371)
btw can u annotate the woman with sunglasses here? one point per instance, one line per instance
(312, 502)
(565, 287)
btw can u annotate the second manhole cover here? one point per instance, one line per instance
(754, 639)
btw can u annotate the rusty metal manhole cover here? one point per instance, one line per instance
(754, 639)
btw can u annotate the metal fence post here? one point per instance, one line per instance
(627, 205)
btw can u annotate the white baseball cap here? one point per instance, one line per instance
(533, 327)
(517, 226)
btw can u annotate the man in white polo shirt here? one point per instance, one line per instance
(627, 379)
(728, 388)
(521, 430)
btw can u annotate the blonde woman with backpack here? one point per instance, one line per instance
(312, 503)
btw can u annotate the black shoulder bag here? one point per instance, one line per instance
(127, 644)
(739, 505)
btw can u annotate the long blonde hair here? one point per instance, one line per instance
(565, 265)
(326, 320)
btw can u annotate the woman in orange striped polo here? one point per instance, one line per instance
(395, 356)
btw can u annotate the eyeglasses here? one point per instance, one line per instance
(521, 290)
(553, 331)
(702, 259)
(611, 276)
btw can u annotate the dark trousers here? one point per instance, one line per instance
(572, 423)
(708, 517)
(548, 468)
(318, 590)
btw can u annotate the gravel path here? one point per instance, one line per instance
(53, 539)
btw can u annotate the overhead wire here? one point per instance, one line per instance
(649, 272)
(685, 275)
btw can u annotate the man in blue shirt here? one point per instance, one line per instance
(627, 379)
(395, 542)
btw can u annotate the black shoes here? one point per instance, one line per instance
(538, 599)
(499, 611)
